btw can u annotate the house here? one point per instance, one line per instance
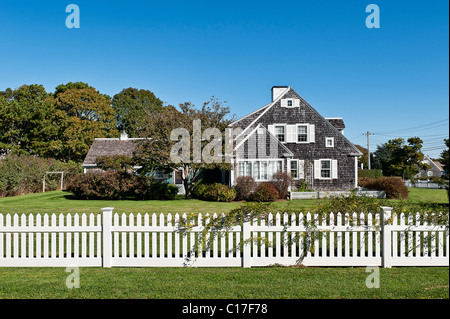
(288, 134)
(436, 169)
(122, 146)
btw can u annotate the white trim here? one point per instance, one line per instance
(249, 114)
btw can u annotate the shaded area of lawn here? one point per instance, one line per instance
(222, 283)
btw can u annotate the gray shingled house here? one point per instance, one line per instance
(289, 135)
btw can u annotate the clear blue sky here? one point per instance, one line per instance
(392, 81)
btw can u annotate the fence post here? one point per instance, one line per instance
(386, 223)
(107, 236)
(246, 247)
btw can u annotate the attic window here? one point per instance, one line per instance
(290, 103)
(329, 141)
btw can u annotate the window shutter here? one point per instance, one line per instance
(312, 133)
(301, 169)
(291, 133)
(283, 103)
(297, 102)
(317, 169)
(271, 129)
(334, 169)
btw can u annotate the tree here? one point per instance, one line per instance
(88, 115)
(403, 159)
(165, 142)
(132, 106)
(26, 116)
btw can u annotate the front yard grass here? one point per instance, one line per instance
(63, 202)
(225, 283)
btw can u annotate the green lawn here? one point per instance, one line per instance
(225, 283)
(62, 202)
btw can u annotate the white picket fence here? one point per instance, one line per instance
(113, 240)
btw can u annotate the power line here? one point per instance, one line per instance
(416, 128)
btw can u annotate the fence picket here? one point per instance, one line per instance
(30, 237)
(131, 236)
(362, 237)
(139, 236)
(347, 235)
(177, 235)
(68, 237)
(340, 238)
(184, 239)
(223, 253)
(369, 235)
(169, 236)
(161, 237)
(278, 236)
(61, 247)
(23, 236)
(331, 234)
(45, 237)
(146, 237)
(270, 236)
(355, 236)
(124, 237)
(83, 236)
(292, 237)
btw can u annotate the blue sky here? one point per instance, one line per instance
(392, 81)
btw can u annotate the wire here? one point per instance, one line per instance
(416, 128)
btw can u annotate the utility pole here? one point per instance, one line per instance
(368, 147)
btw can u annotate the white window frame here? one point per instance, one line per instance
(284, 130)
(327, 139)
(333, 169)
(263, 168)
(307, 133)
(296, 168)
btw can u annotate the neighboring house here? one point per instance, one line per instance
(120, 146)
(289, 135)
(436, 169)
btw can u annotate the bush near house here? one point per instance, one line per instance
(265, 192)
(393, 186)
(282, 181)
(245, 186)
(119, 185)
(215, 192)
